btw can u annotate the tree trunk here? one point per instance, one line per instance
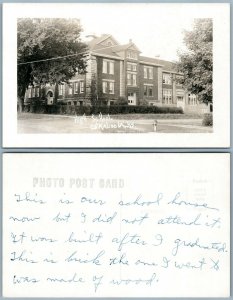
(55, 93)
(20, 97)
(20, 103)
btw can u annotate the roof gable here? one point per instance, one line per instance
(129, 46)
(133, 47)
(101, 46)
(105, 40)
(105, 51)
(108, 40)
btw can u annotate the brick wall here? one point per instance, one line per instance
(74, 96)
(108, 77)
(160, 85)
(122, 79)
(154, 82)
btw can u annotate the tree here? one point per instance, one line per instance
(197, 62)
(93, 88)
(48, 41)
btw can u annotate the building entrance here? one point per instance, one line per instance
(131, 98)
(50, 98)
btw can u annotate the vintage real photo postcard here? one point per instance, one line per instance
(116, 75)
(109, 231)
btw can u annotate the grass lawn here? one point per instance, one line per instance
(130, 123)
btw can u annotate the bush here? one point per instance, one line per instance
(207, 120)
(89, 110)
(122, 101)
(133, 109)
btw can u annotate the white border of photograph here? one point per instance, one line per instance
(220, 12)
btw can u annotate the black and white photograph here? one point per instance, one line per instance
(108, 86)
(120, 70)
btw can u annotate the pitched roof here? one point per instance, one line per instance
(125, 47)
(105, 51)
(110, 50)
(120, 47)
(167, 65)
(95, 46)
(95, 42)
(115, 48)
(91, 44)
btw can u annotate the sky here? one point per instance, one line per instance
(155, 28)
(156, 31)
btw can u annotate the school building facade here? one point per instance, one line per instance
(117, 73)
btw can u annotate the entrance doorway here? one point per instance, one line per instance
(180, 102)
(132, 98)
(50, 98)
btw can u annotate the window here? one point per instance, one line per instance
(167, 78)
(108, 67)
(76, 88)
(37, 91)
(105, 66)
(132, 54)
(70, 89)
(180, 98)
(131, 79)
(30, 92)
(192, 100)
(111, 67)
(33, 92)
(148, 90)
(167, 96)
(148, 72)
(128, 79)
(81, 86)
(145, 90)
(61, 89)
(108, 87)
(111, 87)
(134, 79)
(131, 67)
(105, 87)
(170, 97)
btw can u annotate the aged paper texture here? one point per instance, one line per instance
(116, 225)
